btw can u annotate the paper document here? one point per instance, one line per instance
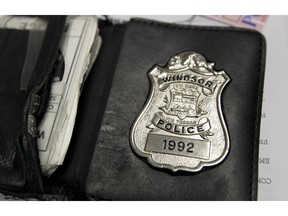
(245, 21)
(78, 45)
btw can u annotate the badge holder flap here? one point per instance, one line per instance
(118, 173)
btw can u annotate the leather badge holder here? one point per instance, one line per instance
(118, 173)
(102, 162)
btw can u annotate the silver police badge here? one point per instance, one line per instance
(181, 126)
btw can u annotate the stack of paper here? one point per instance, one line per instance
(79, 47)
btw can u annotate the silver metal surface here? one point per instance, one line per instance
(181, 127)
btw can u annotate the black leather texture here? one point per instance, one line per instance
(116, 173)
(22, 110)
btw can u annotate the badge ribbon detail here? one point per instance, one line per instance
(181, 127)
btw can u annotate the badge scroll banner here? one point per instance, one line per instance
(182, 129)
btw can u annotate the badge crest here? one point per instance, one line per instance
(181, 126)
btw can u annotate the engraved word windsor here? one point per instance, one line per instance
(181, 127)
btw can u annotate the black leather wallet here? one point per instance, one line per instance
(100, 163)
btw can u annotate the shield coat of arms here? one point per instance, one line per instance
(181, 126)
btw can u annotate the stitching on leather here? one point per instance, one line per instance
(188, 27)
(261, 68)
(260, 71)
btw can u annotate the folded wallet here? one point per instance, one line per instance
(104, 163)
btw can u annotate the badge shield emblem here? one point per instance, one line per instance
(181, 126)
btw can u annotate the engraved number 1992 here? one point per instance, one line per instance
(180, 146)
